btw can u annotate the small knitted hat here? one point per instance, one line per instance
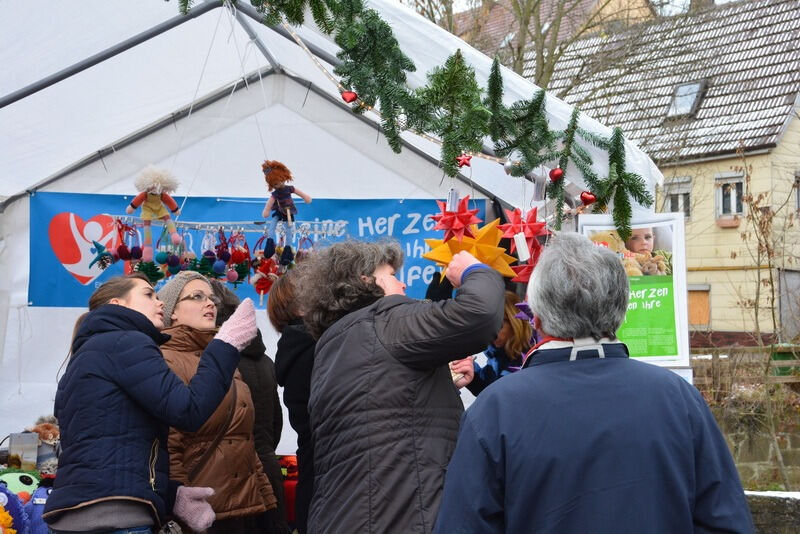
(172, 290)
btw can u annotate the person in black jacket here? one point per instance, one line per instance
(293, 363)
(384, 409)
(115, 404)
(258, 372)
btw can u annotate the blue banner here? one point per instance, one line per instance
(63, 227)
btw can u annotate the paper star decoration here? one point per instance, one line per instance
(456, 223)
(529, 226)
(483, 246)
(463, 160)
(524, 271)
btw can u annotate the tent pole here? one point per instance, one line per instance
(251, 12)
(258, 42)
(80, 66)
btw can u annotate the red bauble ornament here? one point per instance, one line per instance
(349, 96)
(587, 197)
(556, 174)
(463, 160)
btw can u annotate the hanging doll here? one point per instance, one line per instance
(154, 186)
(280, 202)
(266, 268)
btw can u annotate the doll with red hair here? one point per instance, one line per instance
(280, 202)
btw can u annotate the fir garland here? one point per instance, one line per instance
(450, 106)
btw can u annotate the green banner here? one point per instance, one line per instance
(649, 328)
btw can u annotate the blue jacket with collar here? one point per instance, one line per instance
(592, 445)
(115, 404)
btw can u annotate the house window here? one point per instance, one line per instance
(730, 190)
(686, 99)
(678, 194)
(797, 191)
(699, 305)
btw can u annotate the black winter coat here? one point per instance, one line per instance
(384, 410)
(294, 361)
(115, 404)
(258, 372)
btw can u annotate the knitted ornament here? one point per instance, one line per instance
(103, 258)
(219, 266)
(150, 270)
(123, 252)
(35, 508)
(269, 248)
(13, 519)
(161, 257)
(22, 483)
(287, 256)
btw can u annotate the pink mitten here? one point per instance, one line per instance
(240, 328)
(192, 508)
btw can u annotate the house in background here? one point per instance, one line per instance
(494, 26)
(712, 97)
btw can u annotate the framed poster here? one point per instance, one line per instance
(656, 325)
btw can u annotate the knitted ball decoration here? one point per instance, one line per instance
(171, 291)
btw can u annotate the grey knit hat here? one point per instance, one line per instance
(172, 290)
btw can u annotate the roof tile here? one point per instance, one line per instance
(747, 51)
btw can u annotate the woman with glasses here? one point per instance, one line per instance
(242, 493)
(115, 404)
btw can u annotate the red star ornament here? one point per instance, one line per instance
(463, 160)
(530, 227)
(525, 270)
(456, 223)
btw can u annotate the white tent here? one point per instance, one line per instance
(94, 90)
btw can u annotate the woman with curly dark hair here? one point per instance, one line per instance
(384, 410)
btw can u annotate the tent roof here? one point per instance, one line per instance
(180, 61)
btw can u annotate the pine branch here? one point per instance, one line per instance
(500, 123)
(456, 114)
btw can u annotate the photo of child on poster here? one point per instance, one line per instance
(655, 327)
(647, 252)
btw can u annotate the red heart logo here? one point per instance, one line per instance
(71, 239)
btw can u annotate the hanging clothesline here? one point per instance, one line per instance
(327, 227)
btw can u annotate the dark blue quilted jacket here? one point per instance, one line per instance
(115, 405)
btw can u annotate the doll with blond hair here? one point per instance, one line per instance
(280, 202)
(154, 186)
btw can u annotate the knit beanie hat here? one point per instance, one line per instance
(172, 290)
